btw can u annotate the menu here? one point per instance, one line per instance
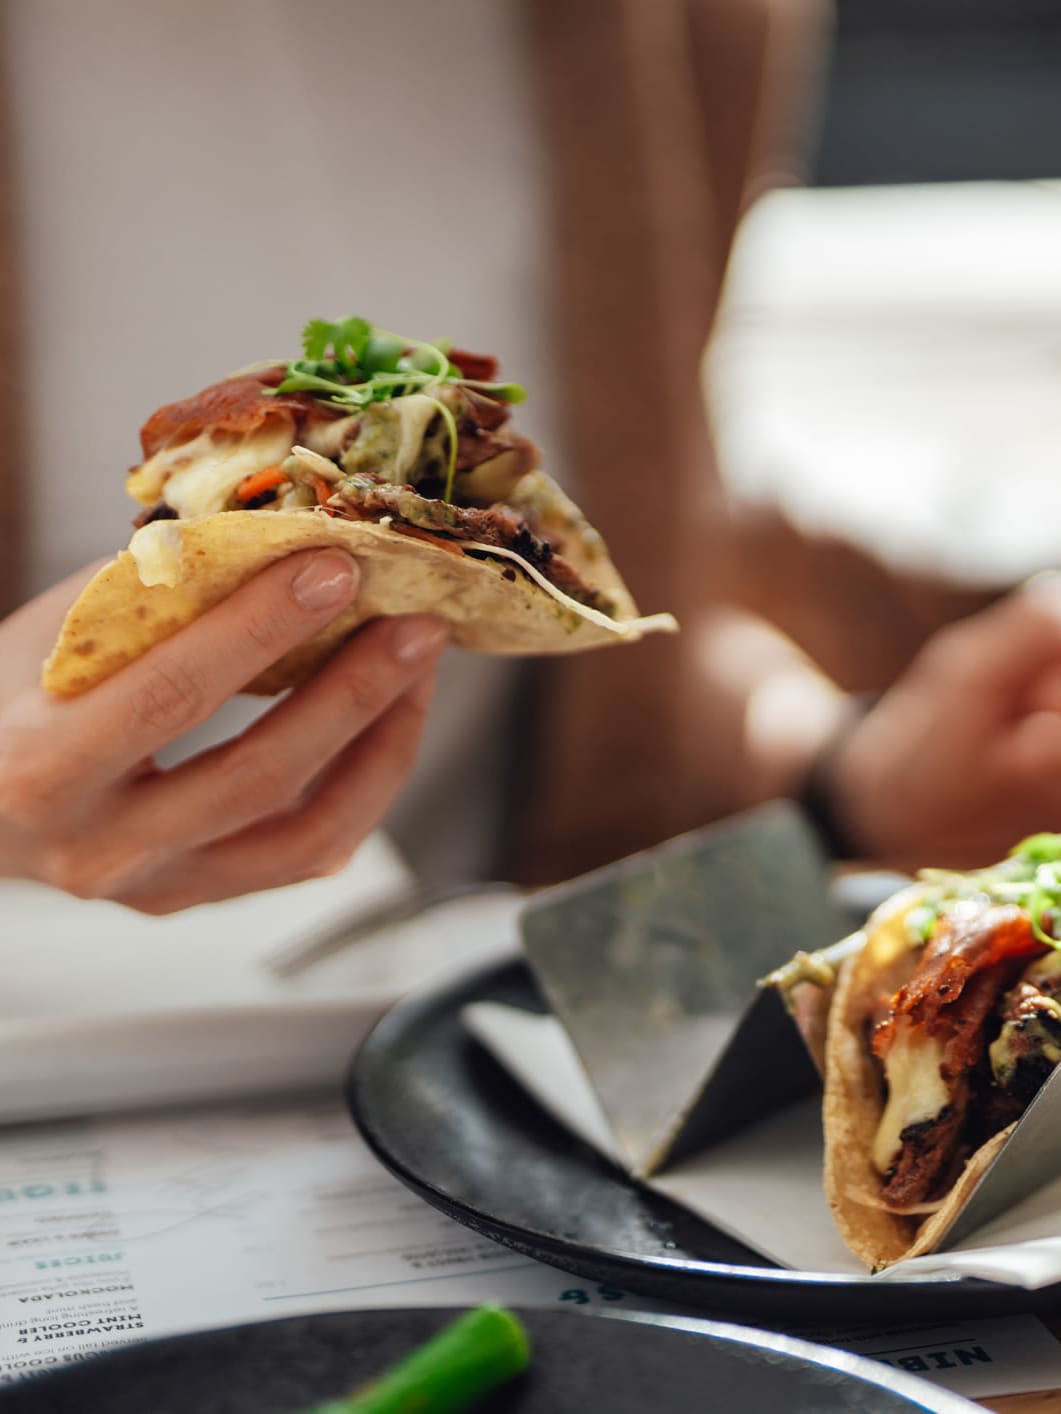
(123, 1228)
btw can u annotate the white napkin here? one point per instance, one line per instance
(764, 1186)
(104, 1009)
(64, 956)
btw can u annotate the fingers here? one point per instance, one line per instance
(1029, 759)
(963, 755)
(181, 682)
(1004, 649)
(1044, 692)
(82, 807)
(313, 841)
(266, 771)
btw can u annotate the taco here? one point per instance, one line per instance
(942, 1027)
(399, 451)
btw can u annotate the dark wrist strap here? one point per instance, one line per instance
(817, 796)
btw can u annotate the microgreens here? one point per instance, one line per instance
(1030, 877)
(352, 364)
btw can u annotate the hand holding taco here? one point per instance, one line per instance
(84, 807)
(400, 452)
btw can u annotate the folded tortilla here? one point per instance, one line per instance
(854, 1102)
(958, 981)
(174, 570)
(934, 1028)
(418, 552)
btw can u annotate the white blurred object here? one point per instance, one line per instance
(887, 368)
(314, 946)
(103, 1009)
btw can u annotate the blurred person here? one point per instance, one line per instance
(965, 748)
(555, 182)
(664, 122)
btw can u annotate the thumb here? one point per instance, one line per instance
(1044, 693)
(1013, 646)
(1029, 756)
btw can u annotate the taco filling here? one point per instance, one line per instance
(365, 427)
(967, 1040)
(398, 452)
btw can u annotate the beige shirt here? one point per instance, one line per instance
(196, 179)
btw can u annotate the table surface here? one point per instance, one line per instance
(1046, 1401)
(1020, 1404)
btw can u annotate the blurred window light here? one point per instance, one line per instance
(887, 361)
(887, 367)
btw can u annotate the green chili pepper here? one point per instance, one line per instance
(454, 1370)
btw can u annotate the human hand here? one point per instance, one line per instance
(83, 806)
(962, 757)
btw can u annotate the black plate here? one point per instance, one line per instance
(444, 1117)
(579, 1363)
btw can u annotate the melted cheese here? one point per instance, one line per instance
(916, 1091)
(156, 548)
(414, 413)
(311, 462)
(327, 439)
(199, 476)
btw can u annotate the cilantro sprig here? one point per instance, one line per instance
(352, 363)
(1030, 877)
(364, 363)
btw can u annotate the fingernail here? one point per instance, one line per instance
(327, 581)
(414, 637)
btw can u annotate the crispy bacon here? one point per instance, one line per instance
(954, 955)
(237, 405)
(481, 368)
(929, 1149)
(964, 1023)
(963, 970)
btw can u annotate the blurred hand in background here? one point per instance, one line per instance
(962, 756)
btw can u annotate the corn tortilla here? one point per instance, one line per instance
(854, 1103)
(494, 605)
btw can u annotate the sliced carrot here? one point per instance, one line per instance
(324, 493)
(259, 482)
